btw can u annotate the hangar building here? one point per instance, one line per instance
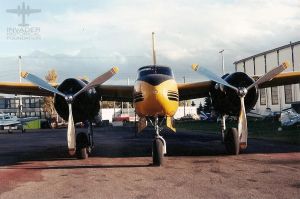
(275, 98)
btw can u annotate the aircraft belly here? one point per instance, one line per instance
(155, 99)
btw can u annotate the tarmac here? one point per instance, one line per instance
(36, 164)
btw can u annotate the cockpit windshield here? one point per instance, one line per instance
(149, 70)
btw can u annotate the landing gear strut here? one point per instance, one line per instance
(85, 143)
(233, 140)
(159, 148)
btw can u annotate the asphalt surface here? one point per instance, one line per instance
(36, 165)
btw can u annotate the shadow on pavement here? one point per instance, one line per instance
(122, 143)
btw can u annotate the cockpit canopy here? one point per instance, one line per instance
(154, 69)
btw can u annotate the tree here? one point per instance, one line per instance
(207, 105)
(200, 108)
(48, 104)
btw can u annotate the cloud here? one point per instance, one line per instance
(91, 39)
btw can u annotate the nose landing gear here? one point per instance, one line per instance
(159, 147)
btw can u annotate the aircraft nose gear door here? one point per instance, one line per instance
(159, 147)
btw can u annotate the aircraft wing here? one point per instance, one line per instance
(23, 89)
(125, 93)
(281, 79)
(9, 123)
(27, 119)
(115, 93)
(32, 11)
(12, 11)
(201, 89)
(194, 90)
(106, 92)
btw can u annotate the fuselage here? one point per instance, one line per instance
(155, 92)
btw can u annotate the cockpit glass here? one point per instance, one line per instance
(148, 70)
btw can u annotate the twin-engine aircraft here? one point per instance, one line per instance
(156, 96)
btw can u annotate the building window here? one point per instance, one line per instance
(263, 100)
(2, 103)
(288, 94)
(7, 103)
(26, 103)
(274, 93)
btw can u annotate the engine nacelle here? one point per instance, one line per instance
(226, 101)
(85, 106)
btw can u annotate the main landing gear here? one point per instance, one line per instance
(232, 139)
(85, 143)
(159, 148)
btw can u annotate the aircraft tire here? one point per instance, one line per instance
(231, 141)
(82, 153)
(82, 146)
(157, 152)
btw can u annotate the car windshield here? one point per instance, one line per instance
(148, 70)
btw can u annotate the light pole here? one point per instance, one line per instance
(128, 102)
(184, 100)
(20, 80)
(153, 48)
(223, 69)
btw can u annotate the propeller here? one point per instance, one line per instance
(71, 138)
(241, 92)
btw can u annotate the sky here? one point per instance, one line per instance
(86, 38)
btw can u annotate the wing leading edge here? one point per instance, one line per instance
(125, 93)
(115, 93)
(201, 89)
(23, 89)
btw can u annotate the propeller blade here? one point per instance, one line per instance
(210, 75)
(41, 83)
(71, 132)
(270, 75)
(99, 80)
(242, 124)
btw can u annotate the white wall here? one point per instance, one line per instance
(108, 113)
(260, 70)
(260, 65)
(297, 68)
(240, 67)
(249, 66)
(285, 55)
(271, 62)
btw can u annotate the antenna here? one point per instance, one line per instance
(223, 67)
(153, 49)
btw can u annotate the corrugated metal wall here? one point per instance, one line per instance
(261, 63)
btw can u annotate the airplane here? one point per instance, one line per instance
(13, 121)
(23, 11)
(155, 95)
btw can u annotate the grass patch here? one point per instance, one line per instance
(266, 129)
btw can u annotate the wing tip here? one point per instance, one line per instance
(285, 64)
(195, 67)
(115, 69)
(24, 74)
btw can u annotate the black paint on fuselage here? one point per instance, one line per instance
(154, 74)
